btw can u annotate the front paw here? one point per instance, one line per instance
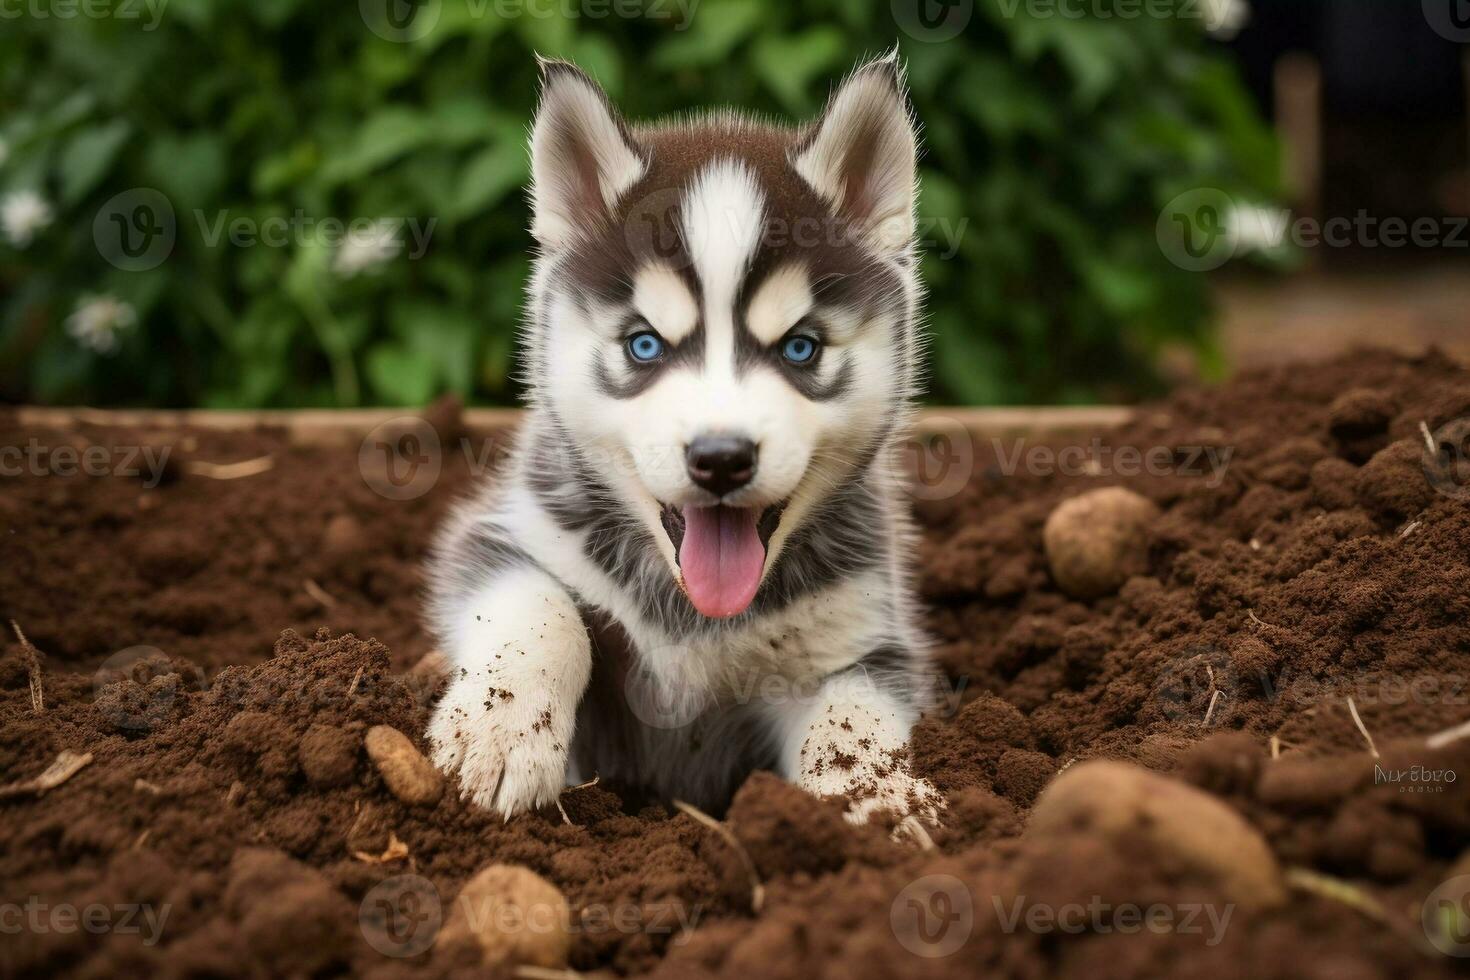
(898, 793)
(874, 782)
(508, 748)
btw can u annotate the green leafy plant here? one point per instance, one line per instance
(340, 219)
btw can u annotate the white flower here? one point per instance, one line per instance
(97, 319)
(1254, 228)
(1225, 18)
(22, 214)
(367, 249)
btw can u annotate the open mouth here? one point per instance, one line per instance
(721, 552)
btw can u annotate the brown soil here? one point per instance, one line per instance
(229, 786)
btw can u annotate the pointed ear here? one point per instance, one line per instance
(582, 157)
(862, 154)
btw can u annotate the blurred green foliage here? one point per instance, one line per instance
(1052, 143)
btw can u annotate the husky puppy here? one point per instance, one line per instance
(695, 561)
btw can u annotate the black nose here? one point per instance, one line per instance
(721, 464)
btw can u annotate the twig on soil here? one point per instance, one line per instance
(1337, 890)
(1362, 728)
(31, 657)
(356, 679)
(1350, 895)
(67, 765)
(318, 593)
(144, 786)
(1259, 621)
(142, 839)
(757, 890)
(229, 471)
(1210, 711)
(1275, 746)
(1428, 438)
(543, 973)
(1440, 739)
(395, 850)
(1409, 529)
(572, 789)
(911, 826)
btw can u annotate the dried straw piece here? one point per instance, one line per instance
(67, 765)
(757, 890)
(230, 471)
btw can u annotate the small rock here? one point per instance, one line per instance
(1118, 800)
(328, 756)
(1097, 541)
(344, 536)
(517, 917)
(410, 777)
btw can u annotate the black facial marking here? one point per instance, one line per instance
(642, 374)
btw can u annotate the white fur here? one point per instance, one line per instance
(723, 222)
(876, 185)
(520, 660)
(574, 129)
(850, 742)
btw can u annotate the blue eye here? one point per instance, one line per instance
(799, 350)
(645, 347)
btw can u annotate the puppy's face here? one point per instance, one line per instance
(724, 312)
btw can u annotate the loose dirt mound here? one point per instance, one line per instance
(1306, 589)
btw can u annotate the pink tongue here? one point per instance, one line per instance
(721, 557)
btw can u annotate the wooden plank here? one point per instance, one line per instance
(341, 425)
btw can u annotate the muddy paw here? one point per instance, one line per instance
(871, 792)
(873, 783)
(509, 751)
